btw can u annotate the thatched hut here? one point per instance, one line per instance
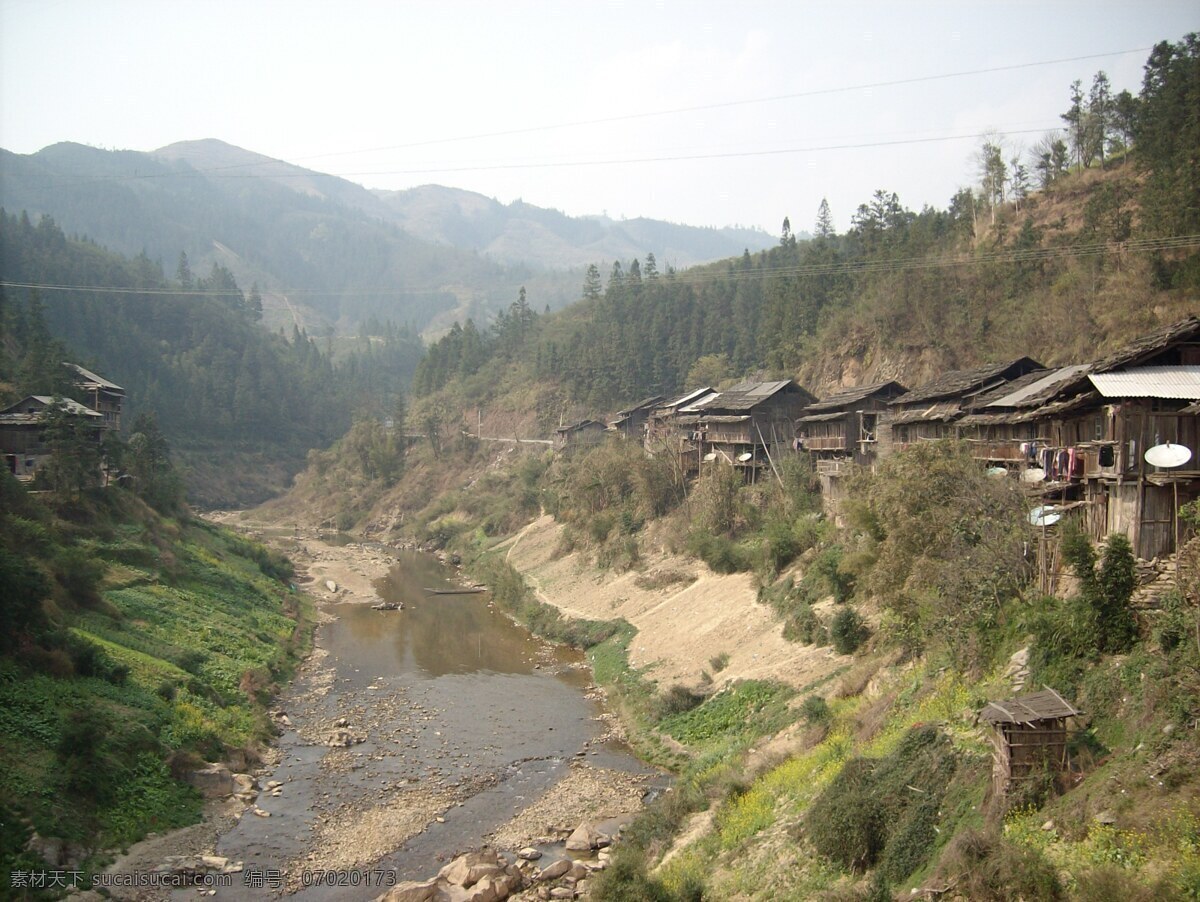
(1029, 734)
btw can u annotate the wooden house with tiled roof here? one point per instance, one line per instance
(846, 425)
(930, 411)
(749, 425)
(582, 434)
(671, 429)
(630, 423)
(844, 430)
(23, 427)
(102, 396)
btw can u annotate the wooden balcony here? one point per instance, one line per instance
(825, 443)
(1007, 451)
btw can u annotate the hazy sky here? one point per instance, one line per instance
(699, 112)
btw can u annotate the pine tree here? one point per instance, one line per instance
(824, 226)
(591, 282)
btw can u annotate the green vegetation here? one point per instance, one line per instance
(214, 380)
(135, 648)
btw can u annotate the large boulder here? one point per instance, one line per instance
(553, 871)
(411, 891)
(213, 780)
(469, 869)
(586, 838)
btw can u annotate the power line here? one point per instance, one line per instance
(700, 275)
(630, 117)
(680, 158)
(816, 92)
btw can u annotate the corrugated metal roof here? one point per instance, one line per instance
(960, 382)
(749, 395)
(696, 405)
(1181, 382)
(92, 377)
(688, 398)
(1030, 388)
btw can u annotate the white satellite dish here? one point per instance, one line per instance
(1168, 455)
(1033, 474)
(711, 455)
(1045, 515)
(745, 457)
(996, 471)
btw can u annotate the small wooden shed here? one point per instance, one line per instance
(1029, 734)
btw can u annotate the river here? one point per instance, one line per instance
(459, 723)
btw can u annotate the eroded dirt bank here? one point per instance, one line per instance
(681, 626)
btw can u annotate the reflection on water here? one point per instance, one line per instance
(446, 697)
(434, 635)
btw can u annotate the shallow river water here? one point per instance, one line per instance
(465, 720)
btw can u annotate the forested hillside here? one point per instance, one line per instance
(241, 405)
(1058, 254)
(321, 248)
(328, 253)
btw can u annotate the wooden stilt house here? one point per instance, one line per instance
(930, 411)
(1029, 737)
(750, 425)
(672, 429)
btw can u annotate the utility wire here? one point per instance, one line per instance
(700, 275)
(630, 117)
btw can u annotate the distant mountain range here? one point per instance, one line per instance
(326, 251)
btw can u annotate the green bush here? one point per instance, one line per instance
(848, 631)
(1107, 589)
(846, 822)
(885, 812)
(750, 708)
(815, 710)
(627, 880)
(720, 553)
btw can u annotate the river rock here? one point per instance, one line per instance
(340, 738)
(331, 585)
(554, 871)
(214, 781)
(529, 853)
(578, 871)
(411, 891)
(469, 869)
(585, 838)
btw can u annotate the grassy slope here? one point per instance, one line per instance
(184, 638)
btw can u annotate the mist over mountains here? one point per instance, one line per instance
(326, 252)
